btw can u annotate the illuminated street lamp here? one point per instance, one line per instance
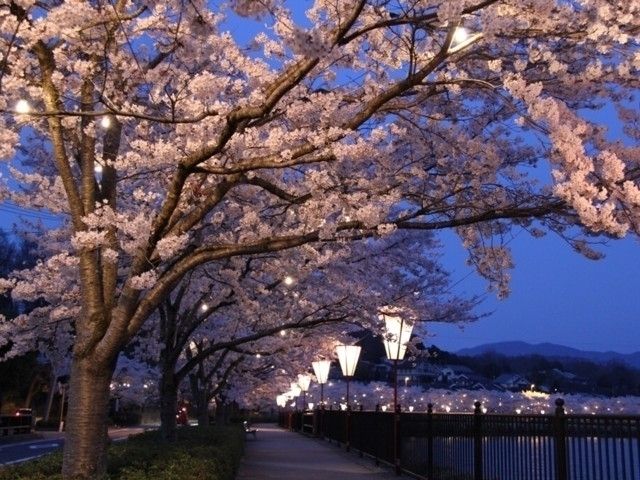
(348, 357)
(303, 383)
(321, 369)
(397, 334)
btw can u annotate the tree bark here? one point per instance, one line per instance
(220, 411)
(50, 395)
(168, 406)
(85, 450)
(202, 406)
(200, 395)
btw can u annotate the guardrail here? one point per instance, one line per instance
(15, 424)
(477, 446)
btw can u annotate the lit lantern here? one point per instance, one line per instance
(295, 389)
(460, 35)
(321, 369)
(22, 107)
(348, 357)
(397, 334)
(303, 382)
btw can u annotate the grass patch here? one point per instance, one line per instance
(203, 453)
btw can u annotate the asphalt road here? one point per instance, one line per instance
(11, 453)
(22, 451)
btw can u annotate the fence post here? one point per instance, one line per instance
(360, 430)
(348, 432)
(430, 441)
(321, 422)
(397, 439)
(560, 441)
(477, 441)
(378, 443)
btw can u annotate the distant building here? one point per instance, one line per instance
(512, 381)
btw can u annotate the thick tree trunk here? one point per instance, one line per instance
(35, 383)
(168, 406)
(220, 407)
(52, 392)
(202, 405)
(201, 402)
(86, 440)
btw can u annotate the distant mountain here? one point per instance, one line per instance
(516, 349)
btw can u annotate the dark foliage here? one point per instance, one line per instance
(209, 453)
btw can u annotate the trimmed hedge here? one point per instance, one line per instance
(209, 453)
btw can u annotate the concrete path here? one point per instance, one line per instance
(278, 454)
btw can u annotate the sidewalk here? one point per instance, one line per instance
(279, 454)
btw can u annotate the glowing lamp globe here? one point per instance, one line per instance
(348, 357)
(303, 382)
(397, 334)
(321, 369)
(295, 389)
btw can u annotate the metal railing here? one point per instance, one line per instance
(477, 446)
(15, 424)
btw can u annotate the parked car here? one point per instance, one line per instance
(23, 412)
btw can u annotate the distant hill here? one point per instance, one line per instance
(550, 350)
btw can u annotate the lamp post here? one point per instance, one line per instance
(303, 382)
(397, 334)
(295, 392)
(348, 357)
(321, 369)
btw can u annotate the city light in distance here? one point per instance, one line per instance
(288, 280)
(105, 122)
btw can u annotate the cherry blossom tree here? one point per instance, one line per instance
(164, 142)
(214, 312)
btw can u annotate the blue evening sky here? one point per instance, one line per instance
(557, 296)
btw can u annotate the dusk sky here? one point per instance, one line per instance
(557, 296)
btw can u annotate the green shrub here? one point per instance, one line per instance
(203, 453)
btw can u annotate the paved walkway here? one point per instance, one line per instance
(279, 454)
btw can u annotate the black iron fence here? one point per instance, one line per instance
(477, 446)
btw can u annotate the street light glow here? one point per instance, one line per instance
(22, 107)
(288, 280)
(105, 122)
(321, 369)
(460, 35)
